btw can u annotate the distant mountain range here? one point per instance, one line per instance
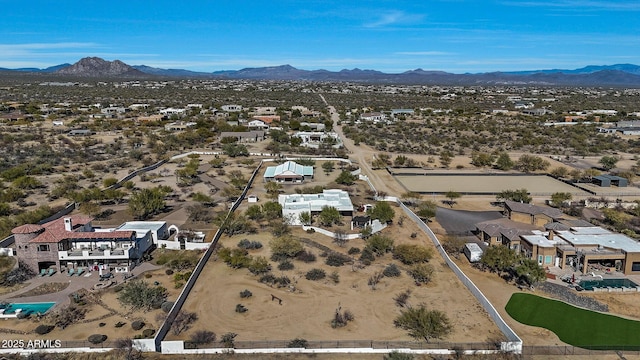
(624, 75)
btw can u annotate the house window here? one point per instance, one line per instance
(635, 266)
(547, 259)
(540, 259)
(43, 247)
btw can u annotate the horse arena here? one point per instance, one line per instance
(484, 184)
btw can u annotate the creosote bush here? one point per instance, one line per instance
(391, 270)
(315, 274)
(245, 293)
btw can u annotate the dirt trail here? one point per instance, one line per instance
(363, 155)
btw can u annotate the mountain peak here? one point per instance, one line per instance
(96, 67)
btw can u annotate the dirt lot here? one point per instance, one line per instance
(308, 307)
(485, 184)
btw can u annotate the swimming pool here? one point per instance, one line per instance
(28, 308)
(605, 283)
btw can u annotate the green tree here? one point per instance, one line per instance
(504, 162)
(26, 183)
(558, 199)
(379, 244)
(271, 210)
(328, 166)
(254, 212)
(521, 195)
(530, 272)
(305, 218)
(235, 150)
(285, 246)
(423, 324)
(138, 294)
(499, 258)
(530, 163)
(329, 215)
(426, 210)
(273, 189)
(559, 172)
(382, 211)
(445, 158)
(481, 159)
(410, 253)
(608, 162)
(147, 202)
(346, 178)
(452, 196)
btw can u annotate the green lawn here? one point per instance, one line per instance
(575, 326)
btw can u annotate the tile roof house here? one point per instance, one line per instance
(72, 242)
(531, 214)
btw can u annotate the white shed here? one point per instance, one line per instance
(473, 252)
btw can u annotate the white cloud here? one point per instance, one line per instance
(394, 18)
(423, 53)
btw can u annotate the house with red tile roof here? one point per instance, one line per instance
(72, 242)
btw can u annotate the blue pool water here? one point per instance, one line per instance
(614, 283)
(29, 308)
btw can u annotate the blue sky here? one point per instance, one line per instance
(393, 36)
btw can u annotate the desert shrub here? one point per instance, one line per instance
(367, 256)
(401, 299)
(380, 244)
(285, 247)
(259, 265)
(245, 293)
(306, 256)
(67, 316)
(118, 288)
(337, 259)
(315, 274)
(391, 270)
(267, 279)
(353, 251)
(168, 272)
(375, 279)
(241, 308)
(228, 339)
(102, 324)
(137, 325)
(340, 319)
(285, 265)
(412, 254)
(249, 245)
(298, 343)
(310, 230)
(236, 258)
(148, 276)
(422, 273)
(282, 281)
(97, 338)
(396, 355)
(148, 333)
(16, 276)
(120, 324)
(183, 321)
(335, 277)
(203, 337)
(166, 306)
(43, 329)
(22, 315)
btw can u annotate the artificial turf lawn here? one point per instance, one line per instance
(575, 326)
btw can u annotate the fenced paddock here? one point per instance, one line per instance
(485, 184)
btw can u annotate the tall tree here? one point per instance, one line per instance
(424, 324)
